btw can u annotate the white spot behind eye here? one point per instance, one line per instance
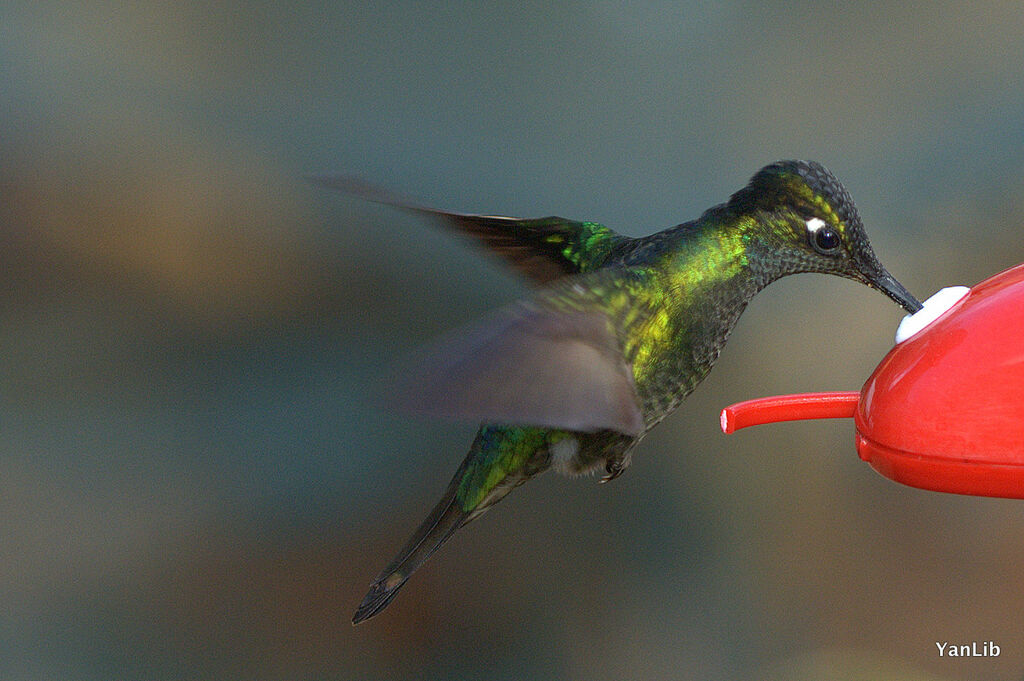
(814, 224)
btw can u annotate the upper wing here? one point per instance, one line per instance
(543, 249)
(555, 360)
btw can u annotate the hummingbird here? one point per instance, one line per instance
(616, 334)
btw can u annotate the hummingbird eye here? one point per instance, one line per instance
(823, 238)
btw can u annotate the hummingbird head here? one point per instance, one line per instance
(808, 223)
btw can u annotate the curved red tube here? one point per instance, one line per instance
(835, 405)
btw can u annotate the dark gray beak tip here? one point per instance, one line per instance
(914, 307)
(888, 285)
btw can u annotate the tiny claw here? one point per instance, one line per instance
(614, 469)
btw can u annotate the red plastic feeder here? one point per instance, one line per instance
(944, 410)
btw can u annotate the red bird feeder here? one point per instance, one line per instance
(944, 410)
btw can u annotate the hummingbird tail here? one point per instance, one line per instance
(500, 459)
(447, 517)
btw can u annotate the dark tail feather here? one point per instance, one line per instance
(440, 525)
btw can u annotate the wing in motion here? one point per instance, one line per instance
(554, 360)
(542, 249)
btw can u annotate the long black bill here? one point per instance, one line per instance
(888, 285)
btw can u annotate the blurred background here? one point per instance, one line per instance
(196, 481)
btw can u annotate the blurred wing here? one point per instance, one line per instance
(543, 249)
(529, 365)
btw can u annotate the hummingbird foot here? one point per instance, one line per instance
(614, 468)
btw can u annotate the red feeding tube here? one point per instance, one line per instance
(835, 405)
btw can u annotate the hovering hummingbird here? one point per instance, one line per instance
(619, 333)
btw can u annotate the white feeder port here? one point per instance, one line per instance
(932, 309)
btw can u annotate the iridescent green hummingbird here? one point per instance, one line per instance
(621, 331)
